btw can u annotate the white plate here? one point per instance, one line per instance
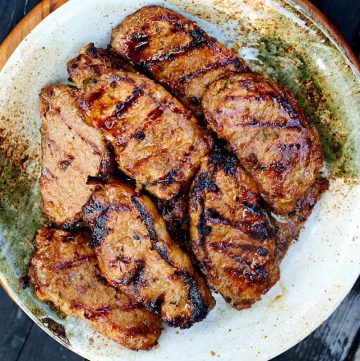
(275, 38)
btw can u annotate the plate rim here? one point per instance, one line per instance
(329, 31)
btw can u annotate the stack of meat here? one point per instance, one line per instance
(168, 168)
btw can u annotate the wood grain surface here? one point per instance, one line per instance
(337, 339)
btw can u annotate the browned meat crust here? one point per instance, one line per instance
(93, 61)
(64, 271)
(137, 255)
(274, 140)
(176, 216)
(230, 234)
(175, 52)
(288, 227)
(156, 140)
(71, 153)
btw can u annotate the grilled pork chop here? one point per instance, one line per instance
(274, 140)
(157, 141)
(71, 153)
(231, 235)
(175, 52)
(137, 256)
(237, 242)
(64, 271)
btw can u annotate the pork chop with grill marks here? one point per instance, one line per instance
(157, 141)
(230, 234)
(273, 138)
(137, 256)
(175, 52)
(64, 270)
(237, 242)
(71, 153)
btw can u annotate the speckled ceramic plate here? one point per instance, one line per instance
(276, 38)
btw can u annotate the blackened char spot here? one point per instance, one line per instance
(195, 101)
(155, 305)
(168, 179)
(200, 308)
(224, 160)
(257, 226)
(139, 135)
(121, 108)
(149, 224)
(204, 182)
(139, 274)
(100, 231)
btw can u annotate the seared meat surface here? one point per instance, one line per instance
(137, 256)
(231, 235)
(175, 52)
(64, 271)
(71, 153)
(157, 141)
(274, 140)
(92, 62)
(289, 226)
(176, 216)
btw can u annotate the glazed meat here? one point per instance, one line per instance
(175, 52)
(64, 271)
(157, 141)
(289, 226)
(71, 153)
(274, 140)
(137, 256)
(231, 235)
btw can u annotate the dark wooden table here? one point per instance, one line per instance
(337, 339)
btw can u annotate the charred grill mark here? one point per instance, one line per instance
(228, 246)
(168, 178)
(257, 228)
(73, 263)
(146, 218)
(279, 99)
(279, 123)
(173, 175)
(224, 161)
(149, 224)
(256, 276)
(94, 147)
(100, 230)
(138, 278)
(123, 107)
(203, 183)
(155, 305)
(213, 66)
(199, 306)
(199, 39)
(139, 134)
(120, 110)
